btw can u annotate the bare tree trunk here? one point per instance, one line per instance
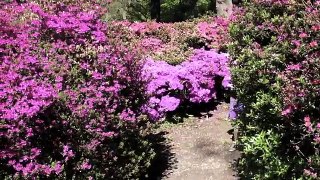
(155, 9)
(224, 8)
(213, 6)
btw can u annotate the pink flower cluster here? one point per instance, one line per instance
(195, 80)
(69, 94)
(215, 32)
(63, 92)
(151, 44)
(174, 42)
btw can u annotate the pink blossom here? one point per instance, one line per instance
(307, 123)
(128, 115)
(86, 165)
(314, 44)
(296, 42)
(303, 35)
(58, 168)
(287, 111)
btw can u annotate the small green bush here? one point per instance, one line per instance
(275, 68)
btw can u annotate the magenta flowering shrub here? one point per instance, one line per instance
(195, 80)
(70, 102)
(151, 44)
(214, 32)
(302, 103)
(174, 42)
(156, 40)
(74, 102)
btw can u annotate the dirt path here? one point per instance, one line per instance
(201, 148)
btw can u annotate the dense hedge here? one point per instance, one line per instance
(76, 94)
(275, 68)
(69, 107)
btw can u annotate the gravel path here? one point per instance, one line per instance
(200, 148)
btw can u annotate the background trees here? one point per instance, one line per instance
(166, 10)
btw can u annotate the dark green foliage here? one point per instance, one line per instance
(177, 10)
(155, 8)
(170, 10)
(273, 47)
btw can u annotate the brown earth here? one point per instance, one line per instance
(198, 149)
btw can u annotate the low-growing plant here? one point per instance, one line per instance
(196, 80)
(173, 42)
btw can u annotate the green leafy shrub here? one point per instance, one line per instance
(275, 68)
(134, 10)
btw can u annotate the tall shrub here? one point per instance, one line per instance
(275, 70)
(70, 102)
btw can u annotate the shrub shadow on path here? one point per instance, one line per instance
(198, 148)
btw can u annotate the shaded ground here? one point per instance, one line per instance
(197, 149)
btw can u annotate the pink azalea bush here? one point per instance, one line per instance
(214, 32)
(195, 80)
(69, 105)
(76, 94)
(174, 42)
(165, 37)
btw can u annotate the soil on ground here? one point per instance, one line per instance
(198, 149)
